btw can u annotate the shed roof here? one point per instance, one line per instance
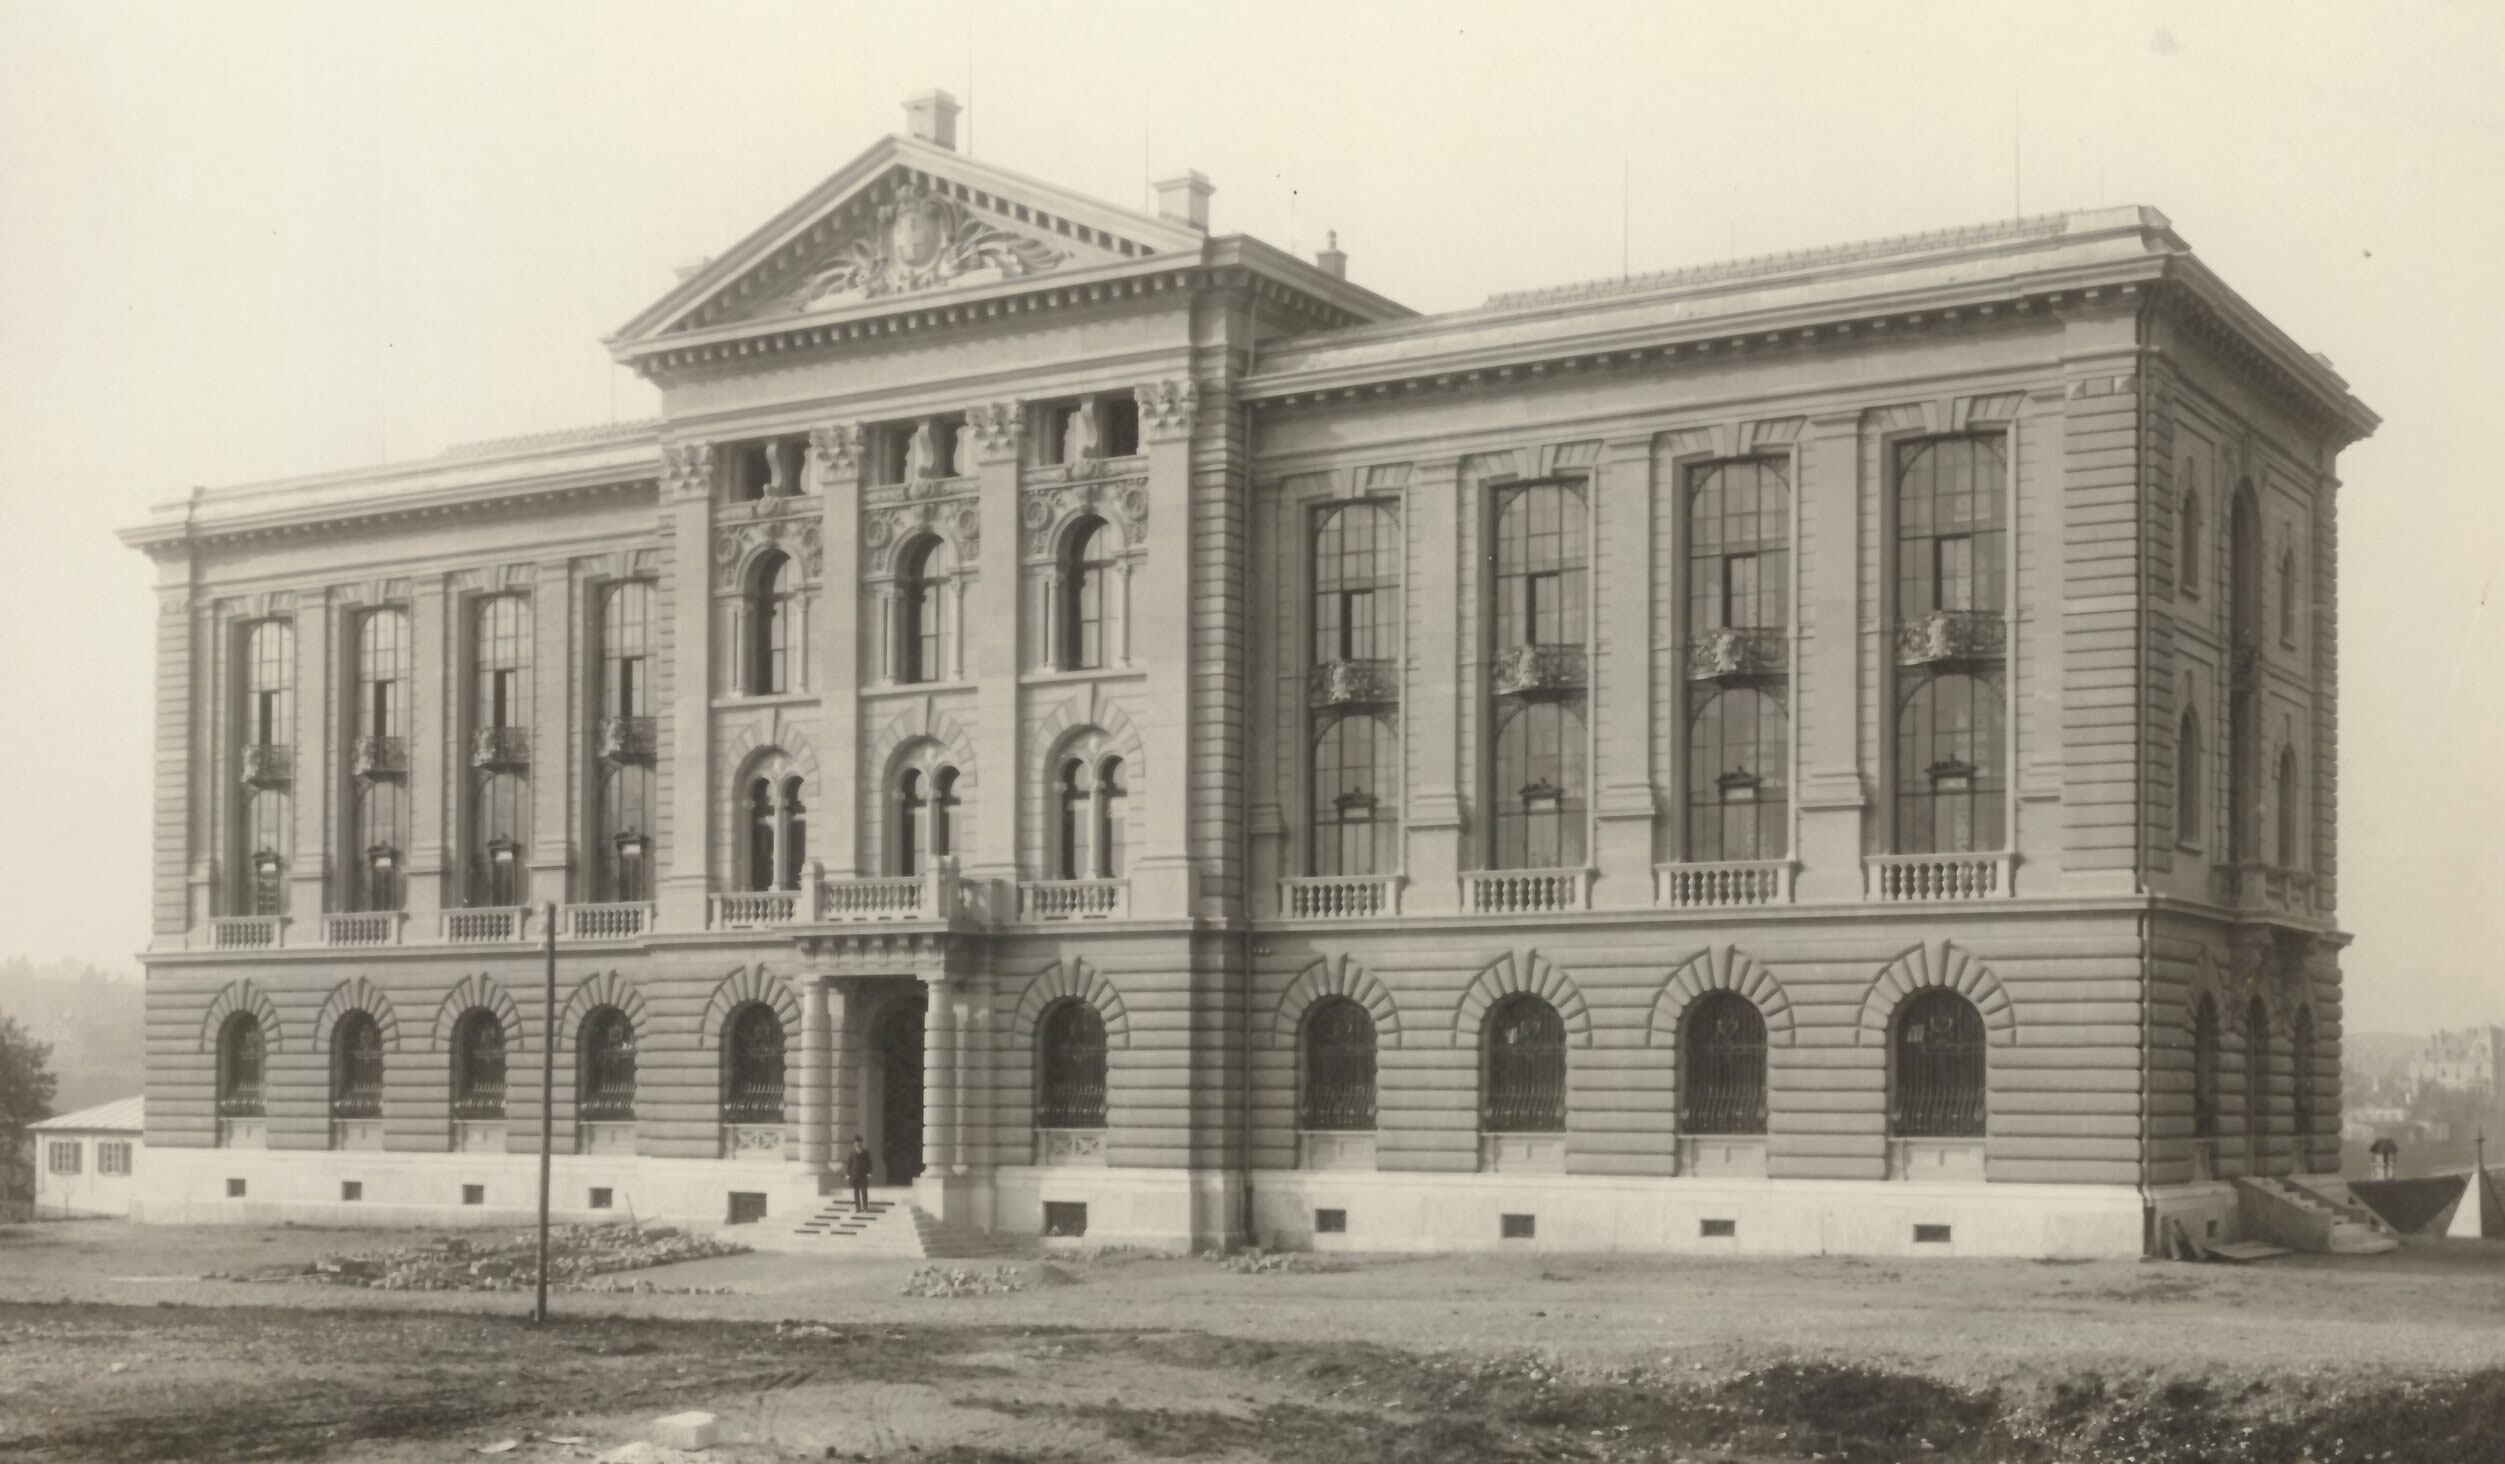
(122, 1115)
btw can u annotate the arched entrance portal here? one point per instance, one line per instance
(896, 1078)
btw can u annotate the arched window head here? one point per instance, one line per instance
(1090, 633)
(924, 589)
(1722, 1066)
(605, 1057)
(2187, 782)
(770, 641)
(1338, 1059)
(1951, 773)
(356, 1067)
(1070, 1064)
(1356, 797)
(383, 678)
(2290, 799)
(1738, 774)
(1523, 1064)
(1938, 1082)
(1540, 796)
(501, 655)
(240, 1054)
(478, 1053)
(2205, 1068)
(752, 1066)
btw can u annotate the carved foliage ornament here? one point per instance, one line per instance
(961, 518)
(687, 467)
(917, 241)
(798, 537)
(1124, 500)
(1167, 408)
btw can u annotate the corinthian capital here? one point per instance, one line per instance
(834, 451)
(998, 428)
(687, 468)
(1166, 408)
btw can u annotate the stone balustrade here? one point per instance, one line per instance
(1724, 883)
(1340, 896)
(617, 920)
(1924, 878)
(748, 909)
(1074, 899)
(1525, 891)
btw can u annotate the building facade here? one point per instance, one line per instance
(2459, 1060)
(1827, 752)
(87, 1163)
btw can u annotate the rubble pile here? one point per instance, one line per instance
(946, 1281)
(580, 1258)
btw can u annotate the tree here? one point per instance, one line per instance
(26, 1088)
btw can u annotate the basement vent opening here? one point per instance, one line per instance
(601, 1198)
(474, 1194)
(1518, 1227)
(1930, 1235)
(747, 1207)
(234, 1189)
(352, 1189)
(1711, 1228)
(1330, 1222)
(1065, 1218)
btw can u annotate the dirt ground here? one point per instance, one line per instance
(112, 1347)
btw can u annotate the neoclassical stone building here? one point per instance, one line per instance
(1830, 752)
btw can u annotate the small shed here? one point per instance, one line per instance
(85, 1162)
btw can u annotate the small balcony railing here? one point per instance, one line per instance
(487, 924)
(616, 920)
(379, 757)
(1525, 891)
(268, 764)
(1738, 653)
(1723, 884)
(363, 928)
(1354, 683)
(1074, 899)
(247, 932)
(887, 897)
(500, 747)
(1940, 637)
(754, 909)
(1528, 670)
(1340, 896)
(1924, 878)
(626, 739)
(2263, 887)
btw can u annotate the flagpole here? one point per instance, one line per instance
(547, 1096)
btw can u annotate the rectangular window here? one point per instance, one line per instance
(1715, 1229)
(747, 1207)
(1952, 572)
(1931, 1235)
(1330, 1222)
(1517, 1227)
(474, 1194)
(1951, 520)
(351, 1190)
(1065, 1218)
(64, 1156)
(234, 1189)
(1739, 590)
(113, 1157)
(601, 1198)
(1117, 425)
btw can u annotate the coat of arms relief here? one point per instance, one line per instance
(918, 240)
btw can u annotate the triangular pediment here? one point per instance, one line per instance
(905, 221)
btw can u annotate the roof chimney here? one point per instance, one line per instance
(1333, 261)
(932, 117)
(1184, 199)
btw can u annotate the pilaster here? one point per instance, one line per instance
(172, 903)
(835, 459)
(989, 636)
(1834, 794)
(1625, 806)
(2102, 591)
(308, 857)
(554, 674)
(431, 699)
(1159, 640)
(1431, 824)
(682, 880)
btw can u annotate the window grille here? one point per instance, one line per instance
(1723, 1067)
(1739, 751)
(356, 1067)
(1339, 1067)
(1525, 1067)
(1071, 1055)
(795, 835)
(478, 1057)
(2205, 1070)
(607, 1054)
(239, 1060)
(1356, 779)
(1939, 1068)
(1064, 1219)
(754, 1084)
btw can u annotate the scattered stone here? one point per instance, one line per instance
(580, 1258)
(690, 1430)
(943, 1281)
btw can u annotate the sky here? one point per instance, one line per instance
(247, 240)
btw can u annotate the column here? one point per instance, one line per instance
(1431, 695)
(173, 906)
(843, 1067)
(939, 1078)
(817, 1054)
(836, 453)
(310, 788)
(553, 738)
(1827, 684)
(1632, 611)
(681, 868)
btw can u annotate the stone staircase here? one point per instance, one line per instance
(891, 1228)
(2321, 1217)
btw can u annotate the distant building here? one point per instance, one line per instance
(2459, 1062)
(85, 1162)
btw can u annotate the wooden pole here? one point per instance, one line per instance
(547, 1097)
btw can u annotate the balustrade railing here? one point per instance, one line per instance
(500, 747)
(486, 924)
(1074, 899)
(363, 927)
(626, 739)
(886, 897)
(1922, 878)
(1723, 883)
(1525, 891)
(616, 920)
(747, 909)
(1340, 896)
(247, 932)
(1354, 683)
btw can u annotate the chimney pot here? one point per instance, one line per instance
(1184, 199)
(1333, 260)
(932, 117)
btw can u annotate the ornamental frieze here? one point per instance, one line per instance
(796, 535)
(918, 240)
(959, 516)
(1123, 500)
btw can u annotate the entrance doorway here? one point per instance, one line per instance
(896, 1053)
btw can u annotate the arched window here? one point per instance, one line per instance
(752, 1066)
(1951, 784)
(1338, 1067)
(478, 1066)
(910, 805)
(270, 684)
(2287, 596)
(2189, 545)
(606, 1077)
(944, 813)
(1738, 528)
(2187, 782)
(761, 837)
(1088, 627)
(922, 593)
(269, 818)
(498, 813)
(1951, 511)
(624, 854)
(1356, 579)
(1538, 799)
(382, 709)
(1939, 1077)
(1523, 1078)
(1356, 780)
(1722, 1066)
(382, 826)
(1077, 798)
(1542, 553)
(2256, 1083)
(1738, 752)
(1112, 819)
(2291, 813)
(2205, 1068)
(1070, 1064)
(356, 1067)
(239, 1060)
(2244, 833)
(2301, 1058)
(769, 626)
(795, 835)
(501, 657)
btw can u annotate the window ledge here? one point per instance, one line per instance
(917, 688)
(1107, 673)
(737, 700)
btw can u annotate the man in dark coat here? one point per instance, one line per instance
(857, 1169)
